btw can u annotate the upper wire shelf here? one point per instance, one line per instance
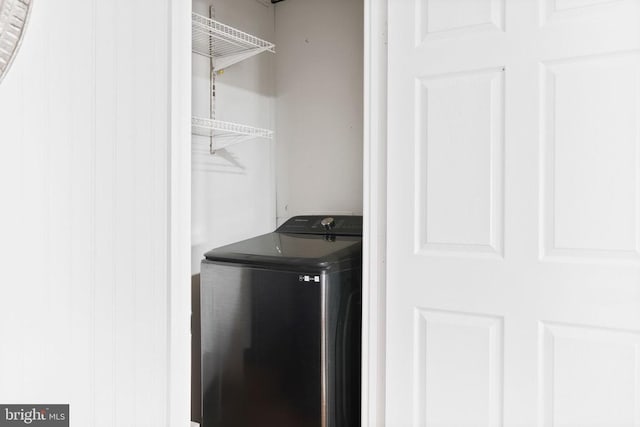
(226, 133)
(224, 44)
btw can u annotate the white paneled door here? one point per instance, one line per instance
(513, 281)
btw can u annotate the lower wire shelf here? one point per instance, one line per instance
(225, 134)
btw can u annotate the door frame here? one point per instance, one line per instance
(178, 352)
(374, 209)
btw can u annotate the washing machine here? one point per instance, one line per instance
(279, 328)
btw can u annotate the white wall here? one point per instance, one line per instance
(84, 223)
(319, 79)
(234, 190)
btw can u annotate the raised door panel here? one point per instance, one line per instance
(446, 18)
(590, 113)
(590, 376)
(573, 11)
(458, 365)
(460, 156)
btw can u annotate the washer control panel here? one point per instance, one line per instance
(341, 225)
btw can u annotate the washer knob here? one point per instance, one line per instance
(328, 223)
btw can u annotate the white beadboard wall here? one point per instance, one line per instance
(84, 218)
(233, 191)
(319, 84)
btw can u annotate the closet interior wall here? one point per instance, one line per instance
(319, 113)
(233, 191)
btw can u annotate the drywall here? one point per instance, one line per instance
(319, 80)
(84, 222)
(233, 191)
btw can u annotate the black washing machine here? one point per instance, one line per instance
(279, 319)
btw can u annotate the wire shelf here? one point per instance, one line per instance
(224, 44)
(226, 134)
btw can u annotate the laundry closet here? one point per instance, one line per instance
(278, 132)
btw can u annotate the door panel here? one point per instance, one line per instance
(460, 119)
(589, 376)
(513, 287)
(458, 364)
(590, 111)
(443, 18)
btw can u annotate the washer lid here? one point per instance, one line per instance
(291, 250)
